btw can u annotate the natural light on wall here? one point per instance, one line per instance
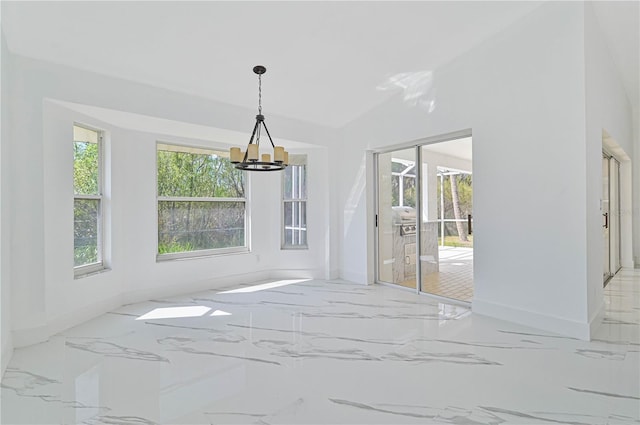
(417, 88)
(264, 286)
(175, 312)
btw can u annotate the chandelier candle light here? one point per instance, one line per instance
(248, 160)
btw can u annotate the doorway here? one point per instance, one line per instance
(424, 218)
(610, 216)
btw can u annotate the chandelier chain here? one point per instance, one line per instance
(259, 94)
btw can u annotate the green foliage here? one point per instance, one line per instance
(409, 191)
(86, 211)
(198, 175)
(465, 195)
(85, 255)
(454, 240)
(85, 231)
(184, 225)
(200, 225)
(174, 246)
(85, 168)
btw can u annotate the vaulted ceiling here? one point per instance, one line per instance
(327, 62)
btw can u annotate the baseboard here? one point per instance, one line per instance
(596, 319)
(29, 336)
(7, 353)
(182, 288)
(83, 314)
(34, 335)
(553, 324)
(354, 276)
(296, 274)
(332, 274)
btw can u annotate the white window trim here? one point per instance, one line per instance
(177, 147)
(295, 160)
(92, 268)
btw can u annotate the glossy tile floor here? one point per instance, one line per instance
(326, 352)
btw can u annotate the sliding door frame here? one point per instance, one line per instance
(417, 145)
(614, 245)
(618, 249)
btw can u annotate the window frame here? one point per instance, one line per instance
(91, 268)
(186, 255)
(295, 160)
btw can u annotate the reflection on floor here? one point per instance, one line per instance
(327, 352)
(455, 278)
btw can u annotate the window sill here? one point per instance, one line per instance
(81, 274)
(196, 255)
(295, 248)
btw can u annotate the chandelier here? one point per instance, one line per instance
(250, 159)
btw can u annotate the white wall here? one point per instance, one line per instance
(522, 93)
(635, 211)
(46, 297)
(5, 229)
(607, 108)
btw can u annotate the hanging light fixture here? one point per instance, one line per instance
(251, 160)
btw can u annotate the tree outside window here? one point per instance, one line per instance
(201, 202)
(87, 188)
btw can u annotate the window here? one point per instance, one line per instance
(201, 203)
(294, 199)
(88, 203)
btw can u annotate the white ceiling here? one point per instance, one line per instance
(326, 61)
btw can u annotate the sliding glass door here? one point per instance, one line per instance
(614, 212)
(424, 235)
(610, 216)
(606, 258)
(396, 217)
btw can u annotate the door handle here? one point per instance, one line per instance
(606, 220)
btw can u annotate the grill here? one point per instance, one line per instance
(404, 243)
(405, 218)
(408, 229)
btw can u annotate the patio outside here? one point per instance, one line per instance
(455, 277)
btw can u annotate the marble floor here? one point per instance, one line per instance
(301, 352)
